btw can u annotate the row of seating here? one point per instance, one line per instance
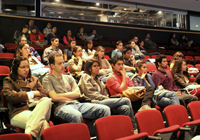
(119, 127)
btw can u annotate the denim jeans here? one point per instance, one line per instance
(121, 105)
(76, 112)
(170, 98)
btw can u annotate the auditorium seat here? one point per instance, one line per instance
(15, 136)
(194, 110)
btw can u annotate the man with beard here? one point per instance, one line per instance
(164, 78)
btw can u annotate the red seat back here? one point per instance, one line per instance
(194, 110)
(16, 136)
(176, 115)
(113, 127)
(7, 56)
(151, 68)
(10, 46)
(149, 121)
(4, 70)
(67, 131)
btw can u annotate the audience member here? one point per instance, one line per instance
(135, 49)
(88, 51)
(52, 34)
(23, 90)
(91, 85)
(23, 39)
(182, 77)
(64, 91)
(77, 63)
(37, 37)
(105, 67)
(24, 32)
(118, 50)
(96, 36)
(177, 56)
(31, 25)
(129, 61)
(164, 78)
(174, 40)
(53, 48)
(148, 43)
(36, 67)
(47, 29)
(83, 36)
(142, 78)
(68, 37)
(184, 41)
(141, 46)
(68, 52)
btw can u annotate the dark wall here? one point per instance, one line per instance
(8, 25)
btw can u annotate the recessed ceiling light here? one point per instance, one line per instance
(32, 11)
(97, 4)
(7, 9)
(124, 8)
(57, 0)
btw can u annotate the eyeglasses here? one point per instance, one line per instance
(24, 40)
(25, 67)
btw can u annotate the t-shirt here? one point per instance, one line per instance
(59, 85)
(116, 52)
(114, 81)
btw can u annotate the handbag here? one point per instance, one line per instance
(134, 94)
(191, 88)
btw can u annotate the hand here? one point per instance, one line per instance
(119, 94)
(36, 93)
(178, 93)
(123, 72)
(37, 42)
(132, 57)
(14, 91)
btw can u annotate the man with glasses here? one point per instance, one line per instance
(164, 78)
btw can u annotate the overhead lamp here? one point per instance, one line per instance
(7, 9)
(97, 4)
(57, 0)
(124, 8)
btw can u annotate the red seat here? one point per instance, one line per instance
(162, 51)
(62, 47)
(152, 51)
(172, 52)
(4, 70)
(154, 56)
(46, 46)
(146, 58)
(151, 68)
(67, 131)
(114, 127)
(16, 136)
(7, 56)
(36, 47)
(177, 115)
(168, 68)
(108, 49)
(107, 57)
(190, 66)
(169, 57)
(197, 58)
(151, 121)
(194, 110)
(197, 66)
(11, 46)
(190, 58)
(190, 52)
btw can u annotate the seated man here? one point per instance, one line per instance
(24, 32)
(164, 78)
(129, 61)
(53, 48)
(91, 85)
(148, 43)
(83, 36)
(63, 90)
(135, 48)
(118, 50)
(119, 82)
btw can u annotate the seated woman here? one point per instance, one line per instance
(23, 39)
(142, 78)
(92, 87)
(37, 68)
(68, 37)
(174, 40)
(182, 78)
(67, 53)
(88, 51)
(105, 65)
(177, 56)
(23, 90)
(76, 64)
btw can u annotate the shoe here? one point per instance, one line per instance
(145, 107)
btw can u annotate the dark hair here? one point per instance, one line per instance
(139, 65)
(75, 49)
(177, 55)
(52, 57)
(129, 42)
(69, 44)
(118, 42)
(126, 49)
(96, 56)
(88, 65)
(116, 58)
(15, 65)
(159, 59)
(177, 68)
(19, 39)
(147, 33)
(54, 37)
(80, 28)
(25, 26)
(86, 43)
(33, 28)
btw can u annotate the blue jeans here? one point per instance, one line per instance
(121, 105)
(170, 98)
(76, 112)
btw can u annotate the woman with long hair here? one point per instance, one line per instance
(68, 37)
(182, 78)
(67, 53)
(23, 91)
(177, 56)
(88, 51)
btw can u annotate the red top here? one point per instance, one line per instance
(114, 81)
(65, 39)
(34, 39)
